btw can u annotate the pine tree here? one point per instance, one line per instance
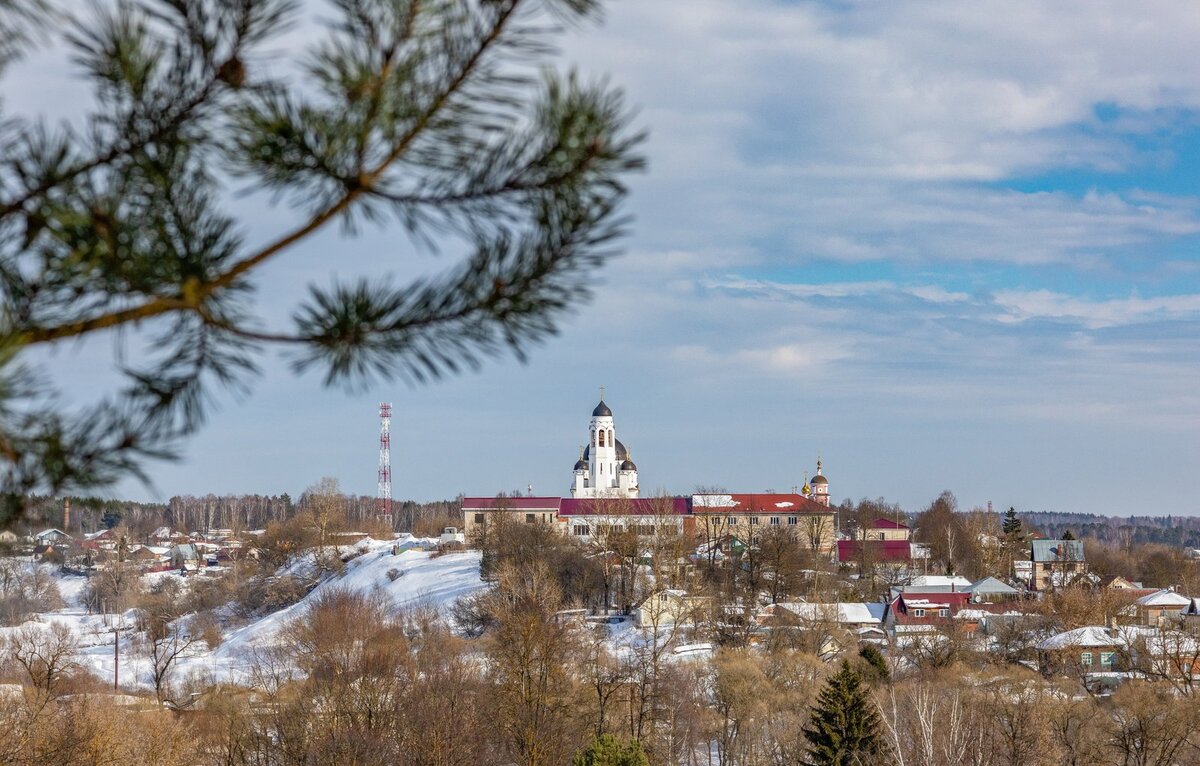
(1012, 525)
(1067, 535)
(844, 729)
(876, 664)
(605, 750)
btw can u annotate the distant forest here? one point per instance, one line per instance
(1120, 530)
(196, 514)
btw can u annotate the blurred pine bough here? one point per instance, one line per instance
(439, 116)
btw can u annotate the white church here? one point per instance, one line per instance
(604, 469)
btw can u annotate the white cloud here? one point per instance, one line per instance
(1022, 306)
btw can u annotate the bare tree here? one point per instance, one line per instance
(163, 646)
(47, 654)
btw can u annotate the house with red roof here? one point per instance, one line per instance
(479, 511)
(933, 609)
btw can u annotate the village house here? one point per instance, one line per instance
(1169, 654)
(1117, 582)
(1191, 614)
(669, 607)
(862, 620)
(990, 590)
(51, 537)
(1160, 608)
(884, 529)
(924, 609)
(1083, 650)
(1056, 563)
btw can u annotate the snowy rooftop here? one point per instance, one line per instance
(1165, 597)
(1083, 638)
(850, 612)
(943, 581)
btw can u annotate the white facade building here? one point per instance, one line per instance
(604, 469)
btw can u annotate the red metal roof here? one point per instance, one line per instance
(761, 503)
(902, 606)
(882, 523)
(511, 503)
(639, 506)
(884, 550)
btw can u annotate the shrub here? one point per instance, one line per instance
(206, 626)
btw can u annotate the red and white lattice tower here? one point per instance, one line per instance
(383, 492)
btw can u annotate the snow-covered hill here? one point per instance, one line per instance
(407, 579)
(422, 579)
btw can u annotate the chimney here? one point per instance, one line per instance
(67, 515)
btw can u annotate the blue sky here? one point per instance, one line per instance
(943, 246)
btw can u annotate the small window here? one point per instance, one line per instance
(1108, 658)
(731, 521)
(662, 596)
(791, 521)
(582, 530)
(530, 518)
(753, 519)
(479, 518)
(775, 520)
(602, 433)
(943, 613)
(918, 613)
(1086, 658)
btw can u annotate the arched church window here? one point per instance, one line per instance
(611, 440)
(601, 438)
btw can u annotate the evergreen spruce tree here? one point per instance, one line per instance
(876, 664)
(605, 750)
(844, 729)
(1012, 525)
(1067, 535)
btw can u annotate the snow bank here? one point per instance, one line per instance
(419, 579)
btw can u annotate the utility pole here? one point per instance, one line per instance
(116, 656)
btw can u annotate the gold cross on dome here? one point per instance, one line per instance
(601, 393)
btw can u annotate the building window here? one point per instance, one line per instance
(918, 613)
(662, 597)
(479, 518)
(753, 519)
(1108, 658)
(731, 521)
(582, 530)
(943, 613)
(791, 521)
(1086, 658)
(775, 520)
(530, 518)
(601, 438)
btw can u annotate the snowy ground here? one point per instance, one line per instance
(422, 580)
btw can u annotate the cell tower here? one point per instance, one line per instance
(383, 492)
